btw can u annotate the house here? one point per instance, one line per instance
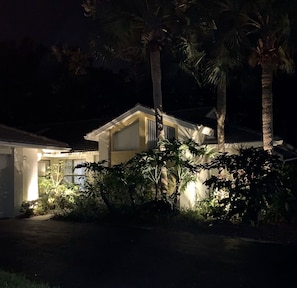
(114, 140)
(135, 131)
(20, 152)
(80, 150)
(119, 139)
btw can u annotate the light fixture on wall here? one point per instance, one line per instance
(207, 131)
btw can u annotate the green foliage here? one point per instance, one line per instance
(55, 197)
(211, 208)
(12, 280)
(120, 187)
(252, 186)
(84, 209)
(150, 164)
(286, 206)
(182, 158)
(28, 208)
(135, 185)
(188, 217)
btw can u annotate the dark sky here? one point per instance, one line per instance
(63, 22)
(46, 21)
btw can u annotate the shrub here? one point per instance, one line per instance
(253, 183)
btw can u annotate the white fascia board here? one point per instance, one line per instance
(93, 135)
(28, 145)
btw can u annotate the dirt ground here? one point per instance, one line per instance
(87, 255)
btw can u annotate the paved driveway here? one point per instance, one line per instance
(85, 255)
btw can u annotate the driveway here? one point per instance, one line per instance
(90, 255)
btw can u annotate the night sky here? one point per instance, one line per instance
(50, 22)
(47, 21)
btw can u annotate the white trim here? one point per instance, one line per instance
(93, 135)
(28, 145)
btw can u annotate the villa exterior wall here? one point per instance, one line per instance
(6, 182)
(18, 178)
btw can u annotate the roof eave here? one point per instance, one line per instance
(30, 145)
(93, 135)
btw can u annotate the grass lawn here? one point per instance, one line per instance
(12, 280)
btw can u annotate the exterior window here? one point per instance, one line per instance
(127, 139)
(43, 166)
(152, 141)
(75, 176)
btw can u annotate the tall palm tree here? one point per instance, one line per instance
(266, 24)
(132, 29)
(222, 55)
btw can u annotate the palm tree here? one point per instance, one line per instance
(266, 24)
(132, 29)
(222, 55)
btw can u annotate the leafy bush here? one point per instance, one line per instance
(55, 196)
(253, 184)
(251, 187)
(28, 208)
(118, 187)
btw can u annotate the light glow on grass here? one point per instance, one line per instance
(13, 280)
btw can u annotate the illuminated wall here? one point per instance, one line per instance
(25, 176)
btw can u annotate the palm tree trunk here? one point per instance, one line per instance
(221, 115)
(267, 107)
(155, 63)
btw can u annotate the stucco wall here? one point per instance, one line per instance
(30, 164)
(104, 147)
(6, 182)
(18, 179)
(25, 176)
(187, 133)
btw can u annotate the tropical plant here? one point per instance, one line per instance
(150, 164)
(222, 56)
(182, 158)
(131, 30)
(266, 25)
(55, 195)
(95, 186)
(121, 187)
(249, 185)
(76, 62)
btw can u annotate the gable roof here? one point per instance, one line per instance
(92, 136)
(233, 132)
(70, 132)
(286, 152)
(15, 137)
